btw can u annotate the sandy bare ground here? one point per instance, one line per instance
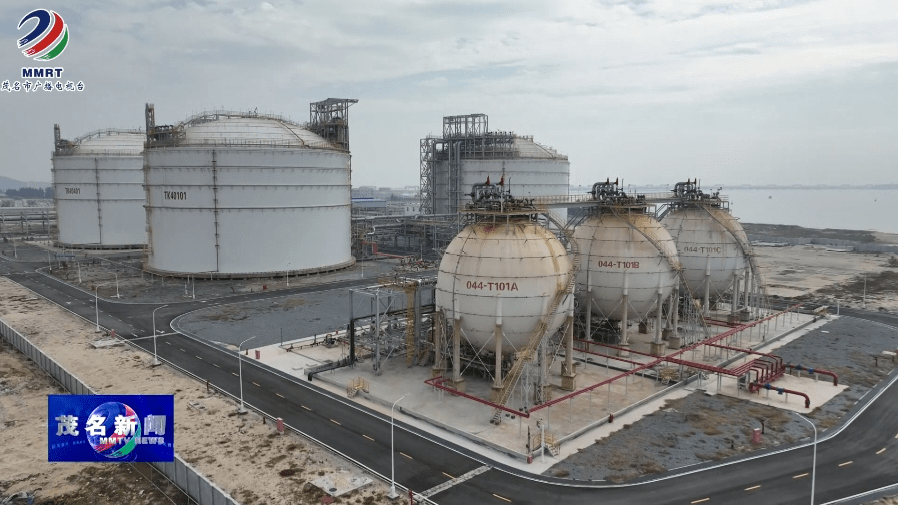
(243, 456)
(825, 274)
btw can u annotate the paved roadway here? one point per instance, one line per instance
(862, 458)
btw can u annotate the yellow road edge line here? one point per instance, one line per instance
(282, 396)
(752, 488)
(369, 438)
(406, 455)
(801, 475)
(881, 451)
(335, 422)
(502, 498)
(846, 463)
(447, 475)
(701, 501)
(307, 408)
(256, 384)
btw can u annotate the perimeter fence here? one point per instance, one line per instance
(195, 486)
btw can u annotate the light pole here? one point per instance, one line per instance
(97, 304)
(241, 410)
(865, 289)
(116, 285)
(814, 462)
(393, 495)
(156, 361)
(49, 261)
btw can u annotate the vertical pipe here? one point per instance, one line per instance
(676, 309)
(746, 287)
(438, 335)
(707, 308)
(659, 311)
(377, 332)
(497, 335)
(735, 301)
(623, 320)
(456, 343)
(588, 298)
(569, 341)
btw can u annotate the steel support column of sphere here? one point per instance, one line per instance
(615, 245)
(519, 262)
(246, 209)
(705, 245)
(98, 184)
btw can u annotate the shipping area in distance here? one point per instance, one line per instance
(584, 335)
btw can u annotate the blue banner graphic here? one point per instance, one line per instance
(111, 428)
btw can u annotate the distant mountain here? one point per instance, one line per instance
(7, 183)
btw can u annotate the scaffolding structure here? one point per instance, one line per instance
(468, 137)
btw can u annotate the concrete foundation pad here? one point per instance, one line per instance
(340, 483)
(569, 382)
(674, 342)
(657, 348)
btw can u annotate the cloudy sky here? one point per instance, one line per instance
(788, 91)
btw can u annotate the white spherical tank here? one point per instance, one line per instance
(98, 183)
(520, 266)
(708, 241)
(243, 195)
(615, 254)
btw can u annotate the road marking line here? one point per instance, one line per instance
(168, 343)
(447, 475)
(502, 498)
(846, 463)
(235, 375)
(369, 438)
(335, 422)
(182, 349)
(801, 475)
(881, 451)
(307, 408)
(752, 488)
(256, 384)
(216, 366)
(199, 358)
(896, 436)
(701, 501)
(406, 455)
(282, 396)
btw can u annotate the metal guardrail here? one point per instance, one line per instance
(191, 482)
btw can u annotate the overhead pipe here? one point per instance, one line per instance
(755, 387)
(815, 370)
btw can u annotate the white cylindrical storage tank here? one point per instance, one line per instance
(246, 195)
(617, 255)
(710, 246)
(519, 265)
(98, 184)
(535, 170)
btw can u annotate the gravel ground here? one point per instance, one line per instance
(701, 428)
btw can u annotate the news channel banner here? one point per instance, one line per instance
(111, 428)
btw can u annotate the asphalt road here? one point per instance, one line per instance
(860, 459)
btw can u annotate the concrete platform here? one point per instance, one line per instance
(578, 422)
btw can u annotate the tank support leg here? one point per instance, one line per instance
(457, 382)
(568, 376)
(497, 381)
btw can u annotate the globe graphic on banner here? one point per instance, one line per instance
(102, 434)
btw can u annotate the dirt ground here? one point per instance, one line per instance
(243, 456)
(699, 428)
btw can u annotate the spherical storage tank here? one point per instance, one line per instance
(518, 265)
(243, 195)
(708, 239)
(98, 183)
(616, 253)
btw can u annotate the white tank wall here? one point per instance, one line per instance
(526, 177)
(108, 215)
(278, 210)
(703, 243)
(523, 265)
(610, 249)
